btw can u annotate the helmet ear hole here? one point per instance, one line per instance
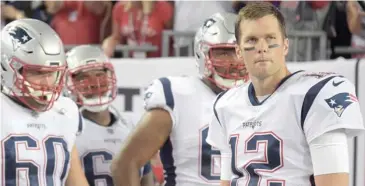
(2, 67)
(20, 70)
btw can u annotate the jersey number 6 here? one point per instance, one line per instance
(206, 158)
(93, 176)
(272, 159)
(14, 164)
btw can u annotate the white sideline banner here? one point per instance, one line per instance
(134, 75)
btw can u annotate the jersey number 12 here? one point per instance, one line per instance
(273, 159)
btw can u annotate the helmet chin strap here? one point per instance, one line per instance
(226, 83)
(91, 104)
(98, 108)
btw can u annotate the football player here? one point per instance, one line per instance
(178, 111)
(284, 128)
(92, 84)
(38, 127)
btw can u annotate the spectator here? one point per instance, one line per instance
(138, 23)
(335, 26)
(304, 16)
(80, 22)
(40, 12)
(12, 10)
(9, 13)
(356, 25)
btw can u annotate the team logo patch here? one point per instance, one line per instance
(340, 102)
(147, 96)
(19, 37)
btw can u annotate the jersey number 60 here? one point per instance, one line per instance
(16, 162)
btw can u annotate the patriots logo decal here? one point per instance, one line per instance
(19, 37)
(340, 102)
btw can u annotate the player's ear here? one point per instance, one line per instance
(238, 52)
(286, 46)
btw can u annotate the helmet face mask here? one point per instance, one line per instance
(93, 85)
(91, 81)
(225, 69)
(214, 47)
(33, 63)
(39, 86)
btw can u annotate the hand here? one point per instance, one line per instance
(11, 12)
(354, 17)
(109, 46)
(19, 15)
(355, 9)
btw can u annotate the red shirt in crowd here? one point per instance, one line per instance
(137, 29)
(76, 25)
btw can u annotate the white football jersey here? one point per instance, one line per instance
(269, 139)
(97, 146)
(36, 147)
(187, 159)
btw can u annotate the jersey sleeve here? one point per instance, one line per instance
(329, 105)
(216, 133)
(159, 95)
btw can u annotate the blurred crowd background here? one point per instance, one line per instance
(317, 29)
(146, 29)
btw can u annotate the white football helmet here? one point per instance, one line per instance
(218, 33)
(94, 92)
(33, 63)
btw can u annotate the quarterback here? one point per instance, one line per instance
(284, 128)
(92, 84)
(178, 112)
(38, 127)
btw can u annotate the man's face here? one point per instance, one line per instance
(262, 46)
(92, 83)
(41, 78)
(226, 63)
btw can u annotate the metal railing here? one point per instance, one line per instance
(166, 36)
(296, 36)
(310, 53)
(126, 49)
(305, 45)
(349, 50)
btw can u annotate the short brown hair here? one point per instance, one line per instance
(257, 10)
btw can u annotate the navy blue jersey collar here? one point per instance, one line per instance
(252, 95)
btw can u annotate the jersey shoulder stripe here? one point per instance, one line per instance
(220, 95)
(311, 95)
(169, 97)
(81, 124)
